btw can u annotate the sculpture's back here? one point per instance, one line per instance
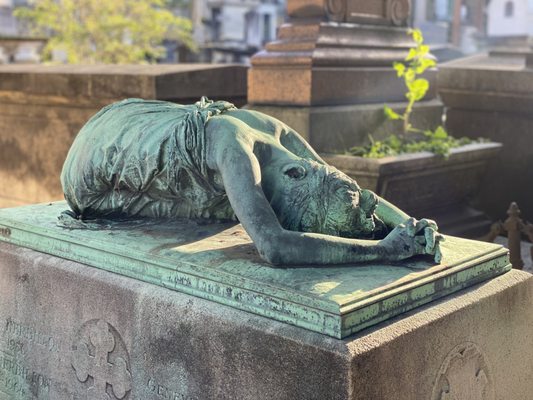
(156, 159)
(145, 158)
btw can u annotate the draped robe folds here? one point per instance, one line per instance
(139, 158)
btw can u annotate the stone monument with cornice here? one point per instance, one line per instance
(491, 95)
(332, 68)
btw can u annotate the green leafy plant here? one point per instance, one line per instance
(411, 139)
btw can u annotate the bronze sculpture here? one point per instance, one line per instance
(210, 160)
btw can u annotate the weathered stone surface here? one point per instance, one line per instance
(489, 83)
(447, 181)
(441, 184)
(510, 173)
(57, 315)
(387, 12)
(492, 97)
(100, 84)
(43, 107)
(305, 8)
(304, 86)
(337, 128)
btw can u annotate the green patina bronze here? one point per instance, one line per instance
(211, 161)
(219, 262)
(154, 190)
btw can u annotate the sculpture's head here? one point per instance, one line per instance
(311, 197)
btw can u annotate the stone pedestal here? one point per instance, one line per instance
(491, 96)
(325, 63)
(70, 331)
(42, 108)
(219, 262)
(334, 63)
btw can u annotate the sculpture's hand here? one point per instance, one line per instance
(413, 237)
(429, 230)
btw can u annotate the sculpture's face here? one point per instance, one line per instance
(311, 197)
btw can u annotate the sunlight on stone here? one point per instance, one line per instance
(325, 287)
(342, 298)
(221, 240)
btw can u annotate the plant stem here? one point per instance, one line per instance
(406, 117)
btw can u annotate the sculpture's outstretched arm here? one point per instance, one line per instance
(390, 214)
(241, 174)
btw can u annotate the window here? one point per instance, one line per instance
(509, 9)
(216, 15)
(267, 28)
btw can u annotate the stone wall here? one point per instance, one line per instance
(492, 97)
(43, 107)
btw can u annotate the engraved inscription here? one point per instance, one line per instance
(19, 381)
(464, 374)
(5, 232)
(18, 333)
(166, 393)
(100, 354)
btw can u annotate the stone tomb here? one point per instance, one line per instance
(491, 96)
(69, 331)
(42, 108)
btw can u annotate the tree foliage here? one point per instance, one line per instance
(109, 31)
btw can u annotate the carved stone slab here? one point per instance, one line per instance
(72, 332)
(376, 12)
(218, 262)
(393, 12)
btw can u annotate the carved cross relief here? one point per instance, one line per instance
(464, 375)
(90, 358)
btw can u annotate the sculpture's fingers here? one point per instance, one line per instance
(430, 236)
(421, 240)
(421, 225)
(410, 224)
(419, 243)
(426, 223)
(438, 250)
(438, 253)
(432, 224)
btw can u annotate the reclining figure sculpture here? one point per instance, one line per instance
(210, 160)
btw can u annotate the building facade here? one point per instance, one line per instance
(15, 45)
(508, 18)
(476, 24)
(233, 30)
